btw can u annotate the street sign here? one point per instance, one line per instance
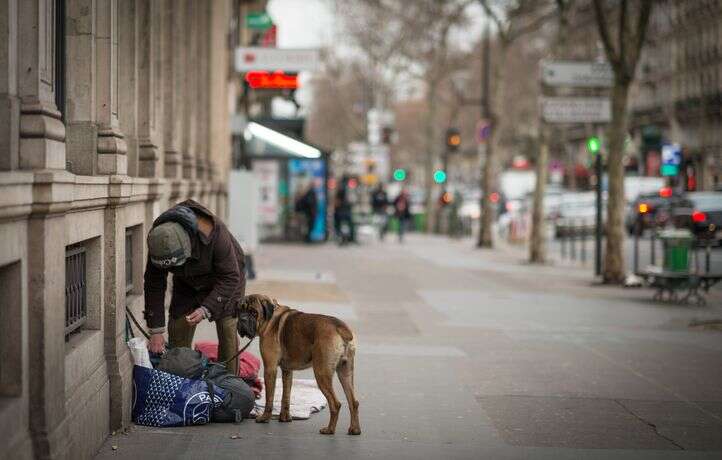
(575, 109)
(577, 74)
(483, 131)
(289, 60)
(258, 20)
(671, 159)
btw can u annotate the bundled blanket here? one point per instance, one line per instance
(248, 364)
(306, 399)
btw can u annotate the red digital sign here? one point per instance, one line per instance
(271, 80)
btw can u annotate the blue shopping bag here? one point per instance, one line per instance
(162, 399)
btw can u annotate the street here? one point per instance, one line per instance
(465, 353)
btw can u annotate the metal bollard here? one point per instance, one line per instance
(653, 246)
(636, 251)
(573, 242)
(584, 242)
(563, 244)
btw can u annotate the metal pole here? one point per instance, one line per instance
(653, 246)
(598, 217)
(584, 241)
(636, 250)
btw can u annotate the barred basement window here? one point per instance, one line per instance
(128, 261)
(76, 295)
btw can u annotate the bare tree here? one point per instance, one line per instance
(622, 51)
(537, 253)
(512, 19)
(410, 38)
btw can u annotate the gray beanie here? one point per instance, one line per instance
(168, 245)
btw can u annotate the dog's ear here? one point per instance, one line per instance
(268, 307)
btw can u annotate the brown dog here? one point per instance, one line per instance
(295, 340)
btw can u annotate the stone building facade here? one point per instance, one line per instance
(110, 111)
(679, 92)
(677, 95)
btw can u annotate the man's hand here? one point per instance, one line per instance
(157, 343)
(196, 316)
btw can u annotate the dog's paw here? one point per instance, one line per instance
(326, 430)
(263, 418)
(285, 417)
(354, 430)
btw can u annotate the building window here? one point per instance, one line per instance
(128, 261)
(76, 289)
(59, 74)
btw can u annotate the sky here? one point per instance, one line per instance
(302, 23)
(311, 24)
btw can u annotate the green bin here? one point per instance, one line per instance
(676, 243)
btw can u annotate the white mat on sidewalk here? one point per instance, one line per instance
(306, 399)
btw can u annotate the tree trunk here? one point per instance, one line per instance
(613, 270)
(537, 253)
(486, 239)
(431, 140)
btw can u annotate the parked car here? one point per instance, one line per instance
(653, 210)
(701, 212)
(577, 213)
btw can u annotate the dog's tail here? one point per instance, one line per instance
(344, 332)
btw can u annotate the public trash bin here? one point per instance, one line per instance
(676, 243)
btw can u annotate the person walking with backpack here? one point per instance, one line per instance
(207, 264)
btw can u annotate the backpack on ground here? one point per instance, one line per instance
(238, 401)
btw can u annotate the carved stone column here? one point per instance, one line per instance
(148, 145)
(111, 145)
(172, 72)
(190, 53)
(128, 80)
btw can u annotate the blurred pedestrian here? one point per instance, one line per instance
(307, 205)
(379, 207)
(343, 215)
(402, 212)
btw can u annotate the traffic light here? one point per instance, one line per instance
(399, 175)
(453, 139)
(439, 176)
(445, 198)
(593, 144)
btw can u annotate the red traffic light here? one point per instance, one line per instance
(665, 192)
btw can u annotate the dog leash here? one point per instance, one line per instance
(239, 352)
(135, 321)
(147, 336)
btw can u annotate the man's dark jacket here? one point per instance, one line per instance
(213, 276)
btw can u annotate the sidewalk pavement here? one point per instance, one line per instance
(466, 353)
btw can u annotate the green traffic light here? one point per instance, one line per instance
(400, 174)
(439, 176)
(593, 144)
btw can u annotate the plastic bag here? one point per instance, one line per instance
(139, 352)
(163, 400)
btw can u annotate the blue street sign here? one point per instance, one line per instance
(671, 159)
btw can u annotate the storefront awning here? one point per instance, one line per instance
(262, 141)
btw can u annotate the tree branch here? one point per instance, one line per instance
(622, 33)
(645, 11)
(495, 18)
(606, 39)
